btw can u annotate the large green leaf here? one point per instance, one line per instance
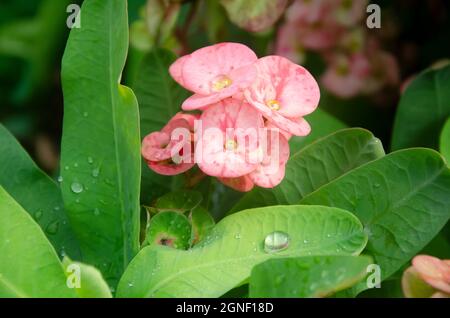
(422, 111)
(160, 98)
(101, 159)
(91, 283)
(309, 276)
(29, 266)
(36, 193)
(403, 200)
(322, 124)
(224, 259)
(316, 165)
(254, 15)
(445, 141)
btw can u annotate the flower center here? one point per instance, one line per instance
(221, 83)
(273, 104)
(231, 145)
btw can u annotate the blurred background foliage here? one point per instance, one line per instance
(33, 35)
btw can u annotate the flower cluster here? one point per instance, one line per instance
(332, 28)
(241, 116)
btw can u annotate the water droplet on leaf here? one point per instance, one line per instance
(90, 160)
(38, 215)
(60, 179)
(76, 187)
(276, 241)
(52, 228)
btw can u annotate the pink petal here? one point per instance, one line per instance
(434, 271)
(176, 69)
(212, 62)
(242, 184)
(271, 171)
(228, 120)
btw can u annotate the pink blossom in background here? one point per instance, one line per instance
(336, 28)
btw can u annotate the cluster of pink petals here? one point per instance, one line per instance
(247, 109)
(333, 28)
(433, 272)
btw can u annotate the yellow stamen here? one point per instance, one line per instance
(221, 83)
(231, 144)
(273, 104)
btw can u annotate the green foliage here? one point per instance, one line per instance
(36, 193)
(304, 277)
(29, 265)
(91, 283)
(423, 110)
(224, 259)
(403, 200)
(445, 141)
(101, 161)
(316, 165)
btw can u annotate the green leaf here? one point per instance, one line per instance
(180, 201)
(403, 200)
(160, 98)
(36, 193)
(101, 158)
(254, 15)
(306, 277)
(322, 124)
(29, 265)
(316, 165)
(224, 259)
(170, 229)
(202, 223)
(91, 283)
(445, 141)
(422, 111)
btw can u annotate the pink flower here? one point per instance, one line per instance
(228, 146)
(214, 73)
(346, 75)
(288, 45)
(283, 93)
(350, 12)
(169, 151)
(433, 271)
(270, 172)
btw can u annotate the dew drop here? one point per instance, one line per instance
(38, 215)
(237, 236)
(60, 179)
(52, 228)
(95, 172)
(56, 208)
(305, 241)
(76, 187)
(276, 241)
(90, 160)
(130, 285)
(75, 164)
(96, 211)
(66, 168)
(376, 185)
(85, 114)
